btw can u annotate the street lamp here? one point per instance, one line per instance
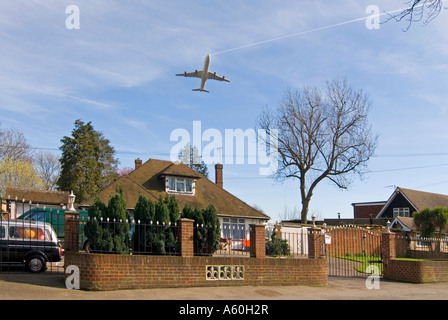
(388, 224)
(71, 201)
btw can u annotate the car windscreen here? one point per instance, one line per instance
(36, 216)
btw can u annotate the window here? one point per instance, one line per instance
(37, 216)
(27, 233)
(234, 228)
(180, 185)
(401, 212)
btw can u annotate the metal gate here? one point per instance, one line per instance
(352, 251)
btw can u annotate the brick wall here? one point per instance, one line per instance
(113, 272)
(417, 271)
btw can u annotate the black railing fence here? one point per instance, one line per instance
(135, 237)
(415, 247)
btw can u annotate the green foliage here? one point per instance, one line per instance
(431, 220)
(118, 222)
(207, 231)
(212, 229)
(277, 247)
(87, 162)
(107, 229)
(144, 210)
(155, 228)
(154, 231)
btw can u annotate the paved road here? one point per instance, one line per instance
(24, 286)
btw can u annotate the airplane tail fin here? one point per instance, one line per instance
(202, 90)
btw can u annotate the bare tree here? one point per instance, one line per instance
(49, 167)
(190, 156)
(419, 10)
(322, 134)
(13, 145)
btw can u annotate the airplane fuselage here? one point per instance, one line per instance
(205, 71)
(204, 74)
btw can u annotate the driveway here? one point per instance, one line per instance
(24, 286)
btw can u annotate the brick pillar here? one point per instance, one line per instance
(257, 241)
(388, 250)
(71, 231)
(186, 237)
(315, 243)
(278, 231)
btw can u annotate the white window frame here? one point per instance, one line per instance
(402, 212)
(234, 228)
(180, 185)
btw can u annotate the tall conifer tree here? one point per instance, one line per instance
(87, 162)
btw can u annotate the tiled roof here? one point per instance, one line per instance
(421, 199)
(38, 196)
(147, 179)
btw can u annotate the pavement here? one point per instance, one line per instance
(25, 286)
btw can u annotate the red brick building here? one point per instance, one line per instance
(367, 209)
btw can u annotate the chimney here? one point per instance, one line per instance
(218, 174)
(138, 163)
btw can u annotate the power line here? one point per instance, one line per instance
(409, 168)
(409, 155)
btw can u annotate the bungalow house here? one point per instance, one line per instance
(158, 177)
(18, 201)
(404, 202)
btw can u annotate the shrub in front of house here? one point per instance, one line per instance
(277, 247)
(156, 225)
(108, 227)
(207, 229)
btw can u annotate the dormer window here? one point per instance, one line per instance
(180, 185)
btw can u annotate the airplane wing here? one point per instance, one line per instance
(214, 76)
(196, 74)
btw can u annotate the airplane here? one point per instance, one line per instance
(204, 75)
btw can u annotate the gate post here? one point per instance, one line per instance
(257, 241)
(71, 231)
(314, 243)
(71, 226)
(186, 237)
(388, 250)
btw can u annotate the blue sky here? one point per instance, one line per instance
(117, 70)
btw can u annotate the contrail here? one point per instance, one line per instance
(308, 31)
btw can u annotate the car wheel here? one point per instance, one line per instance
(36, 264)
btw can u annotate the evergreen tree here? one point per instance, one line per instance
(87, 162)
(144, 213)
(207, 230)
(144, 210)
(93, 229)
(162, 218)
(107, 229)
(118, 224)
(212, 229)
